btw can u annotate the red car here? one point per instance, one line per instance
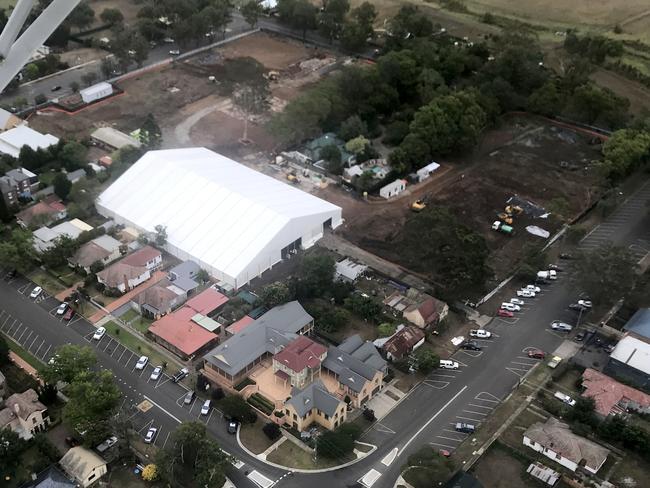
(536, 354)
(505, 313)
(68, 314)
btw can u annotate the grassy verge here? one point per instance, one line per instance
(47, 282)
(254, 438)
(24, 354)
(137, 345)
(288, 454)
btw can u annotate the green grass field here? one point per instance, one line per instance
(137, 345)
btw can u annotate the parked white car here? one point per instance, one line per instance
(480, 333)
(565, 398)
(558, 325)
(62, 308)
(36, 292)
(510, 307)
(517, 301)
(448, 364)
(99, 333)
(151, 434)
(142, 362)
(205, 409)
(155, 374)
(526, 293)
(533, 288)
(585, 303)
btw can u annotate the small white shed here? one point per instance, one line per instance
(96, 92)
(425, 172)
(392, 189)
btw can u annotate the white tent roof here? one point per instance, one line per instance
(14, 139)
(218, 212)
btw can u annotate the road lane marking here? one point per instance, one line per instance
(167, 412)
(45, 353)
(166, 439)
(390, 457)
(432, 419)
(32, 344)
(493, 399)
(120, 358)
(480, 406)
(384, 429)
(468, 418)
(443, 445)
(477, 413)
(21, 335)
(450, 438)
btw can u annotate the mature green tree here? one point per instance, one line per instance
(624, 152)
(400, 69)
(426, 360)
(18, 251)
(353, 127)
(449, 123)
(315, 275)
(94, 398)
(4, 352)
(68, 362)
(367, 308)
(430, 85)
(161, 235)
(192, 454)
(546, 100)
(234, 406)
(150, 132)
(252, 96)
(251, 12)
(275, 294)
(11, 449)
(327, 318)
(365, 15)
(111, 16)
(62, 185)
(57, 255)
(605, 274)
(408, 23)
(332, 155)
(331, 18)
(81, 17)
(299, 14)
(594, 104)
(434, 241)
(73, 155)
(74, 86)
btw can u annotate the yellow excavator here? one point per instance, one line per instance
(514, 209)
(418, 205)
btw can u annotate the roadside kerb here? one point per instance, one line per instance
(307, 471)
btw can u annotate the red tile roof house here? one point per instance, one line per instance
(403, 343)
(612, 397)
(299, 363)
(131, 270)
(45, 212)
(189, 331)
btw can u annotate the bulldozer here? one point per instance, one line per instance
(505, 218)
(418, 205)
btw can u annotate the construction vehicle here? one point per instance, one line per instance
(503, 228)
(514, 209)
(272, 76)
(505, 218)
(418, 205)
(293, 178)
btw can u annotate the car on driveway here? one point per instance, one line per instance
(526, 293)
(536, 353)
(465, 428)
(205, 409)
(36, 292)
(232, 427)
(99, 333)
(510, 306)
(504, 313)
(471, 345)
(565, 398)
(142, 362)
(517, 301)
(480, 333)
(68, 314)
(155, 374)
(62, 308)
(150, 435)
(561, 326)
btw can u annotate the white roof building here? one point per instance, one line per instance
(96, 92)
(14, 139)
(44, 238)
(114, 138)
(425, 172)
(634, 353)
(228, 218)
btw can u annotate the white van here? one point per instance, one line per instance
(448, 364)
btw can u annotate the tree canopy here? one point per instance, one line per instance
(68, 362)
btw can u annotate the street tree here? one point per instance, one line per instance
(150, 472)
(94, 398)
(68, 362)
(606, 274)
(62, 185)
(251, 12)
(299, 14)
(82, 16)
(192, 454)
(18, 251)
(234, 406)
(73, 155)
(426, 360)
(624, 152)
(275, 294)
(74, 86)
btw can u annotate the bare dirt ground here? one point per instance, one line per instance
(498, 469)
(75, 57)
(522, 157)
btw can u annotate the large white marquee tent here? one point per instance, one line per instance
(232, 220)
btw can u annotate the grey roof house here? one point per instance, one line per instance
(314, 404)
(233, 359)
(183, 276)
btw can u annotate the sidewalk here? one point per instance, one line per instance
(128, 296)
(61, 296)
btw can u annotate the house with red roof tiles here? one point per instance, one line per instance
(299, 363)
(612, 397)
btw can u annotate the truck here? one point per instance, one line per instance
(503, 228)
(480, 333)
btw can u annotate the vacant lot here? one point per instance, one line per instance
(523, 157)
(499, 469)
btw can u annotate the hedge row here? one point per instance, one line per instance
(261, 403)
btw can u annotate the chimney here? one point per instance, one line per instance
(17, 409)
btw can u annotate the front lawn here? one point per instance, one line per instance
(135, 320)
(254, 438)
(290, 455)
(46, 281)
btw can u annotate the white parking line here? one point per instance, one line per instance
(443, 445)
(168, 413)
(45, 353)
(468, 418)
(480, 406)
(21, 335)
(120, 358)
(477, 413)
(449, 438)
